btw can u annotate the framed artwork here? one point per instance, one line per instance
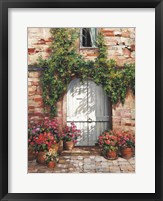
(81, 100)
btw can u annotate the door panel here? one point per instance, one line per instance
(88, 107)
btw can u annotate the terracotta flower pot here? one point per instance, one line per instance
(31, 155)
(69, 145)
(56, 147)
(41, 158)
(127, 152)
(51, 164)
(111, 154)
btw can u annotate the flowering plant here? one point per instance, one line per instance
(47, 125)
(43, 141)
(50, 155)
(108, 141)
(125, 139)
(43, 135)
(71, 133)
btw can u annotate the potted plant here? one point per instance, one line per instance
(108, 142)
(43, 135)
(52, 125)
(42, 143)
(126, 143)
(70, 135)
(51, 158)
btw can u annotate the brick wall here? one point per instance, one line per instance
(35, 102)
(121, 47)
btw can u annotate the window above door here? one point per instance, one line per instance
(88, 37)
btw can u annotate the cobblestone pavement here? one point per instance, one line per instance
(85, 160)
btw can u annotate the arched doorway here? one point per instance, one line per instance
(88, 107)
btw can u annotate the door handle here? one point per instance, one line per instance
(89, 120)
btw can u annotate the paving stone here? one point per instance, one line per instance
(114, 169)
(115, 162)
(121, 159)
(123, 163)
(98, 163)
(57, 169)
(107, 169)
(98, 168)
(131, 161)
(98, 158)
(110, 163)
(126, 168)
(76, 165)
(80, 163)
(71, 169)
(87, 166)
(62, 165)
(62, 161)
(49, 171)
(80, 157)
(32, 171)
(87, 160)
(42, 170)
(89, 171)
(104, 164)
(74, 157)
(92, 157)
(104, 159)
(64, 170)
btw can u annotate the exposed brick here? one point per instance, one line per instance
(34, 74)
(31, 50)
(125, 34)
(126, 52)
(35, 83)
(41, 41)
(92, 54)
(132, 47)
(108, 33)
(48, 50)
(49, 40)
(38, 99)
(117, 33)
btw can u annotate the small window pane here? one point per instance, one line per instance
(88, 37)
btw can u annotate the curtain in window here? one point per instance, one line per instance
(92, 32)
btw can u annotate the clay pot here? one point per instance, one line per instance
(111, 154)
(127, 152)
(69, 145)
(31, 155)
(40, 158)
(51, 164)
(56, 147)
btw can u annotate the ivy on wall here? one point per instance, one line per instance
(65, 63)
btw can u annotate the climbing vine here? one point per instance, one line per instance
(65, 63)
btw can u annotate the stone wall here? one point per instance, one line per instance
(121, 47)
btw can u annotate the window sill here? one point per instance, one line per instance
(81, 48)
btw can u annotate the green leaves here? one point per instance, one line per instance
(65, 63)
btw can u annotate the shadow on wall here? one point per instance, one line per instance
(88, 107)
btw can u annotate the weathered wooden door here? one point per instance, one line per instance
(88, 107)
